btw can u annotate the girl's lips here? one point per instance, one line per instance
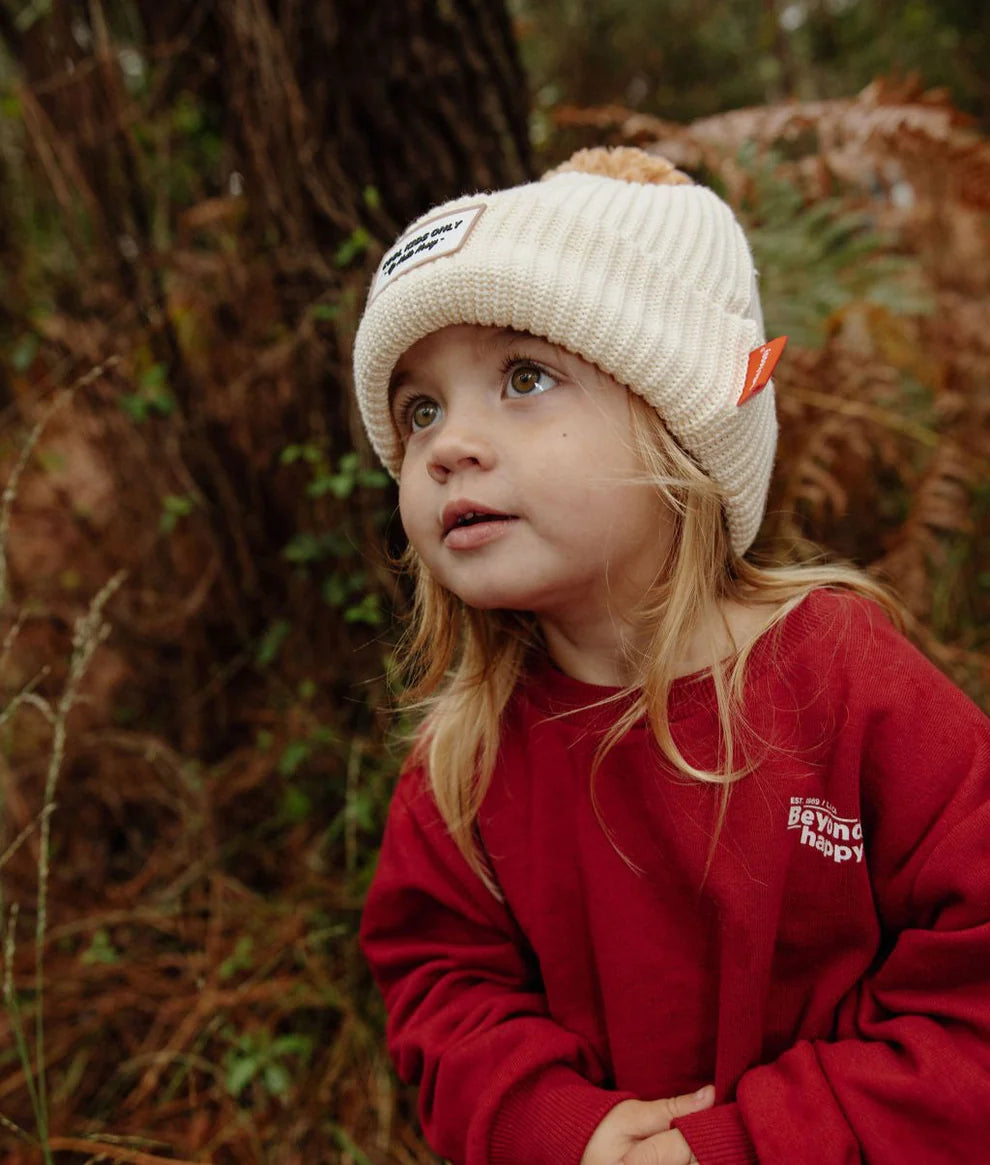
(464, 512)
(480, 534)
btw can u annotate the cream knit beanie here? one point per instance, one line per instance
(652, 282)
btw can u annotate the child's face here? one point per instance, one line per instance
(520, 485)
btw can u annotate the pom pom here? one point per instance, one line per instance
(625, 163)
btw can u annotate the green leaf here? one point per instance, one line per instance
(155, 376)
(352, 247)
(25, 350)
(135, 406)
(324, 311)
(368, 611)
(31, 13)
(175, 507)
(240, 1072)
(307, 547)
(240, 960)
(187, 116)
(344, 1141)
(341, 485)
(323, 484)
(373, 478)
(277, 1079)
(271, 642)
(324, 736)
(162, 403)
(296, 806)
(294, 755)
(101, 950)
(336, 589)
(293, 1044)
(311, 454)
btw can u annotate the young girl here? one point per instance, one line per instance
(691, 859)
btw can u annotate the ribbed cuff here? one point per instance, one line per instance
(549, 1119)
(718, 1136)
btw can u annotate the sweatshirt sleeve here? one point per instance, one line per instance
(500, 1081)
(907, 1075)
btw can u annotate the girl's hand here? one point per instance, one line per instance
(667, 1148)
(637, 1132)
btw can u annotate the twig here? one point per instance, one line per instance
(90, 632)
(10, 489)
(114, 1152)
(13, 1008)
(13, 631)
(32, 699)
(8, 1124)
(22, 837)
(350, 812)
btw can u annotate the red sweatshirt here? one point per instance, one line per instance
(830, 973)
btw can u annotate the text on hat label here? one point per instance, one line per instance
(432, 239)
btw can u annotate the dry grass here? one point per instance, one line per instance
(222, 766)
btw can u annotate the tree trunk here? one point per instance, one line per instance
(332, 99)
(225, 175)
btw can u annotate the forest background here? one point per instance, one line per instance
(196, 609)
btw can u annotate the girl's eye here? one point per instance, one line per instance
(529, 380)
(421, 413)
(415, 414)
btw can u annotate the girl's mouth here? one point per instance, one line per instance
(464, 516)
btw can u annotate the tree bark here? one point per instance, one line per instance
(332, 99)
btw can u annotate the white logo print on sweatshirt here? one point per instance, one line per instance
(835, 837)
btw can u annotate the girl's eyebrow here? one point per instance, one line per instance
(491, 340)
(501, 336)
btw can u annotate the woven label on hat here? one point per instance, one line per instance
(427, 241)
(762, 362)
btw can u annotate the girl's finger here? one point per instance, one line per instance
(668, 1148)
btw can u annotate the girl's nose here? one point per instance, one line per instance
(460, 443)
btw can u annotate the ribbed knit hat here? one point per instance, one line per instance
(649, 277)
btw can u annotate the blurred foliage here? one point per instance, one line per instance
(183, 264)
(816, 258)
(684, 60)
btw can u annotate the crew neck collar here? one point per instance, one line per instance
(598, 705)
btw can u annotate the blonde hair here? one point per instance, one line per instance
(465, 663)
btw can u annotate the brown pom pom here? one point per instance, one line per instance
(625, 163)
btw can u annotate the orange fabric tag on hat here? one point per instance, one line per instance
(762, 362)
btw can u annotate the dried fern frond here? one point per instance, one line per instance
(847, 135)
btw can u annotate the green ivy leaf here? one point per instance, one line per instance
(324, 311)
(175, 507)
(271, 642)
(240, 1072)
(368, 611)
(241, 959)
(294, 755)
(277, 1079)
(101, 951)
(296, 806)
(25, 350)
(352, 247)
